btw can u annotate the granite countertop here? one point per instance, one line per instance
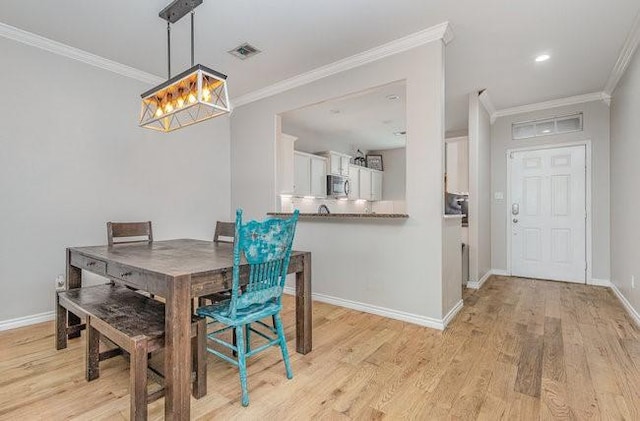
(344, 215)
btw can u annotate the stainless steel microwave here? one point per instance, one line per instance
(337, 186)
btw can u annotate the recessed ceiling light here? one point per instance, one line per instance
(334, 111)
(543, 57)
(392, 97)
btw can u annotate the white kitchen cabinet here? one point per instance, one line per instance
(370, 185)
(310, 175)
(344, 165)
(354, 182)
(457, 164)
(318, 176)
(285, 163)
(338, 163)
(301, 174)
(376, 185)
(365, 184)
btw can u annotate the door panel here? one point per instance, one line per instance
(548, 214)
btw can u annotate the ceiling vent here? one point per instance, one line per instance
(244, 51)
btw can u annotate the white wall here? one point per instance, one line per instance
(479, 190)
(396, 265)
(394, 163)
(451, 262)
(596, 129)
(73, 157)
(625, 181)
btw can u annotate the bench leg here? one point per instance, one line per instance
(138, 380)
(199, 351)
(92, 370)
(61, 325)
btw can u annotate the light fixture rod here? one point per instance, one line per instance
(169, 49)
(193, 13)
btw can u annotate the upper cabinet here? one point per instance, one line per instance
(302, 174)
(310, 175)
(285, 163)
(318, 176)
(457, 165)
(354, 182)
(376, 185)
(338, 163)
(370, 184)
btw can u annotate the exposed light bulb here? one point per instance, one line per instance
(192, 98)
(159, 112)
(206, 94)
(168, 108)
(180, 102)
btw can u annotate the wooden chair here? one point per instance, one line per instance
(224, 229)
(134, 323)
(267, 248)
(129, 230)
(141, 232)
(225, 233)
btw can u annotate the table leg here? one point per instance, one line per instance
(303, 306)
(177, 362)
(65, 318)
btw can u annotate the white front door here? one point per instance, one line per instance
(547, 214)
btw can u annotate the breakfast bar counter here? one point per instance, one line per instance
(344, 215)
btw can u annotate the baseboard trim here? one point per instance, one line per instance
(417, 319)
(478, 284)
(452, 313)
(599, 282)
(499, 272)
(626, 304)
(26, 320)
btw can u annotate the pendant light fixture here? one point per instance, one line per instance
(194, 95)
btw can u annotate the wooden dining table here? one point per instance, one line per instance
(179, 271)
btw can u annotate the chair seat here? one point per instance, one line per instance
(220, 312)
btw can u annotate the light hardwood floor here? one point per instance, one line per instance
(519, 349)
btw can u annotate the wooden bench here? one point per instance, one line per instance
(136, 324)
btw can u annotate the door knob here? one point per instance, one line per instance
(515, 220)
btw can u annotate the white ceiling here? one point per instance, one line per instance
(364, 120)
(494, 46)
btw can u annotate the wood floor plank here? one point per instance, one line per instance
(529, 379)
(520, 349)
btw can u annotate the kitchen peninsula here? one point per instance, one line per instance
(321, 216)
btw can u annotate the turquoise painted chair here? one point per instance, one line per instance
(266, 246)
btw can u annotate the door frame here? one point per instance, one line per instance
(588, 231)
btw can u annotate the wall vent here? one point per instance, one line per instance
(244, 51)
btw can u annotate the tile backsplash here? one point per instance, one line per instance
(288, 204)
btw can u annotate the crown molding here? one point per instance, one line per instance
(28, 38)
(438, 32)
(441, 31)
(626, 54)
(572, 100)
(485, 99)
